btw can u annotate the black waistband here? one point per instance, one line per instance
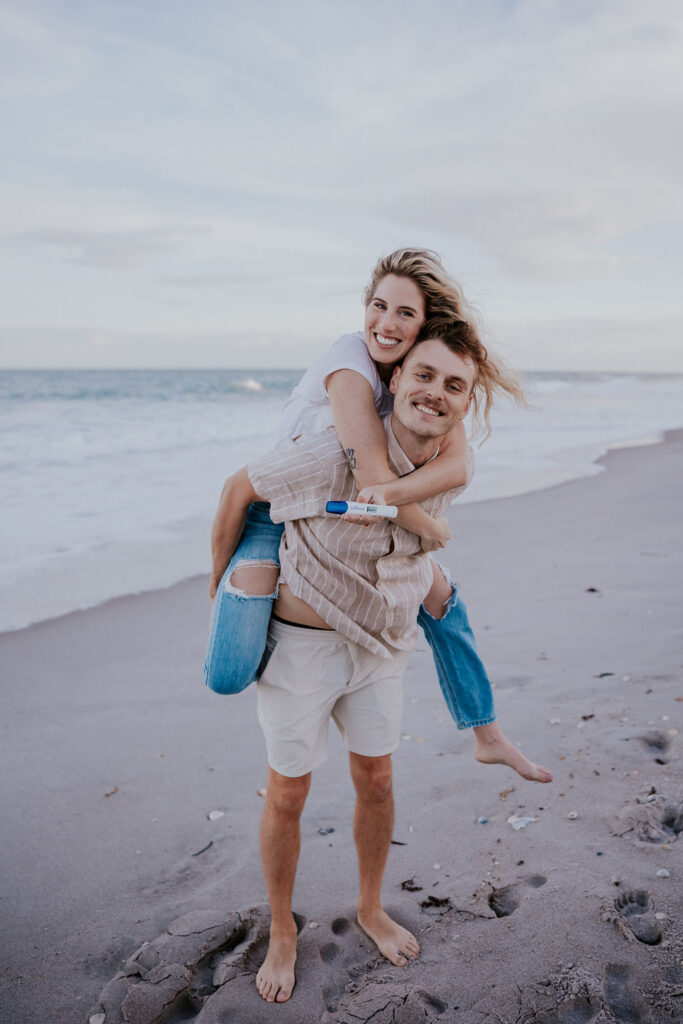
(300, 625)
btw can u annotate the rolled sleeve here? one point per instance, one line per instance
(296, 478)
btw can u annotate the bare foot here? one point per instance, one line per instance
(491, 746)
(394, 942)
(275, 978)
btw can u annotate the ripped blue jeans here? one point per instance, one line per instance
(239, 628)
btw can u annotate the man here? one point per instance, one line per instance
(343, 627)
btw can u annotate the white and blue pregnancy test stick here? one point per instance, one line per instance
(359, 508)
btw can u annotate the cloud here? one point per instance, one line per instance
(228, 153)
(41, 53)
(225, 281)
(549, 235)
(599, 344)
(113, 249)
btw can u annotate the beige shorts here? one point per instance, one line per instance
(314, 675)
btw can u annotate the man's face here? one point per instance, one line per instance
(432, 389)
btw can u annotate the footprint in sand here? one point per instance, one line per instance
(622, 997)
(198, 953)
(329, 952)
(668, 824)
(335, 957)
(346, 960)
(342, 960)
(672, 819)
(505, 901)
(654, 821)
(334, 985)
(656, 743)
(389, 1004)
(574, 1011)
(636, 909)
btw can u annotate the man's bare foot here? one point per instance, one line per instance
(491, 746)
(397, 944)
(275, 978)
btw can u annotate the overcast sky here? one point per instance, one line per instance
(210, 183)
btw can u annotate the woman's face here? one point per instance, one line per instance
(393, 318)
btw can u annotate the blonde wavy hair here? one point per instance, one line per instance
(442, 295)
(449, 317)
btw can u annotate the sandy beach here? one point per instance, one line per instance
(123, 901)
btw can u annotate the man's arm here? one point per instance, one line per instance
(236, 497)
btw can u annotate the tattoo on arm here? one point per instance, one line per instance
(351, 457)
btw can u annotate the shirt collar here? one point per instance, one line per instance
(397, 457)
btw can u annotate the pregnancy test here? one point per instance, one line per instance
(359, 508)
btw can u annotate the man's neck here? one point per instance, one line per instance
(418, 449)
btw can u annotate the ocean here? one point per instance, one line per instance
(110, 478)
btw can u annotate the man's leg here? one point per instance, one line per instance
(280, 843)
(372, 829)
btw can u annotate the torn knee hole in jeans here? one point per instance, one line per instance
(240, 592)
(450, 600)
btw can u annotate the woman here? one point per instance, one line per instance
(409, 292)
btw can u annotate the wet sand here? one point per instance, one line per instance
(115, 754)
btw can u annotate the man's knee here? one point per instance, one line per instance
(372, 777)
(287, 795)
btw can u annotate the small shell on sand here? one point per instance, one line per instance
(518, 823)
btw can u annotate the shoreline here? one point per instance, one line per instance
(115, 754)
(640, 441)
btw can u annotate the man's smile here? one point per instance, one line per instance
(426, 408)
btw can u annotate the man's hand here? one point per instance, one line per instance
(438, 538)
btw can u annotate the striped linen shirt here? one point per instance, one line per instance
(365, 582)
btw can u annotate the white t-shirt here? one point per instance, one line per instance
(308, 409)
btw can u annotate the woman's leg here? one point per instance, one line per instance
(464, 681)
(242, 607)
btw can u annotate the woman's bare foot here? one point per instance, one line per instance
(275, 978)
(491, 746)
(395, 943)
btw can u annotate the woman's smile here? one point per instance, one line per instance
(393, 318)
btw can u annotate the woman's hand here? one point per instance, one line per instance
(378, 494)
(369, 496)
(214, 583)
(434, 533)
